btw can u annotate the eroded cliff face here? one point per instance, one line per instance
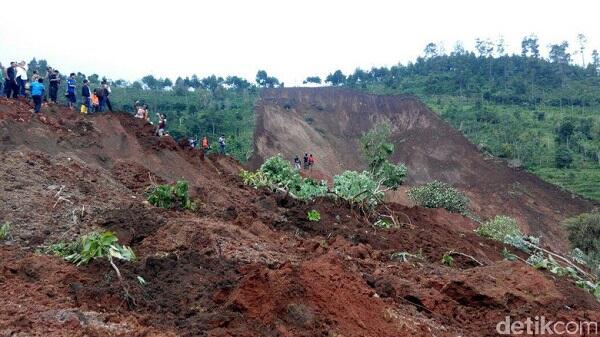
(329, 122)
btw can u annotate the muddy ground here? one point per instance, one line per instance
(247, 262)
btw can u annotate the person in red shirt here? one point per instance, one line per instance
(311, 161)
(205, 145)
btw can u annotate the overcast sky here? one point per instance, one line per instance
(289, 39)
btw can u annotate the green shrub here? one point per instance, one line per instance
(357, 187)
(4, 230)
(256, 179)
(313, 215)
(437, 194)
(499, 228)
(309, 189)
(280, 172)
(98, 245)
(447, 258)
(377, 148)
(584, 232)
(90, 247)
(392, 176)
(171, 196)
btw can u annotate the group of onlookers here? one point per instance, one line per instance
(17, 84)
(309, 162)
(205, 146)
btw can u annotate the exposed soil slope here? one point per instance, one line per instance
(329, 122)
(246, 263)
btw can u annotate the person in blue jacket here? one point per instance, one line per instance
(71, 91)
(37, 92)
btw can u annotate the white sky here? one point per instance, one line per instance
(289, 39)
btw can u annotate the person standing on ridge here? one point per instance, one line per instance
(205, 145)
(72, 99)
(100, 93)
(22, 77)
(2, 79)
(107, 92)
(297, 163)
(222, 143)
(162, 125)
(311, 161)
(35, 77)
(54, 79)
(306, 161)
(37, 93)
(86, 95)
(95, 103)
(11, 77)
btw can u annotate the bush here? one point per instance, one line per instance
(171, 196)
(313, 215)
(90, 247)
(256, 179)
(563, 157)
(309, 189)
(280, 172)
(439, 195)
(4, 231)
(357, 187)
(392, 176)
(499, 228)
(584, 232)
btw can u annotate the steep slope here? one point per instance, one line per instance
(329, 122)
(246, 263)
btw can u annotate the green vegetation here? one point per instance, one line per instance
(584, 234)
(4, 231)
(437, 194)
(365, 188)
(313, 215)
(376, 149)
(171, 196)
(94, 246)
(357, 188)
(541, 112)
(499, 228)
(447, 259)
(277, 172)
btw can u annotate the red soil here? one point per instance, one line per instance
(246, 263)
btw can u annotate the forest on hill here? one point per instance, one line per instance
(541, 112)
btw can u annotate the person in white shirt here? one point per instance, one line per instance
(22, 77)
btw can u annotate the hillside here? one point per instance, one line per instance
(328, 122)
(246, 262)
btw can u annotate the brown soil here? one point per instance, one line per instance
(247, 262)
(328, 122)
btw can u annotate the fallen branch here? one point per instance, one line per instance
(465, 255)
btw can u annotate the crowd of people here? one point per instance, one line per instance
(205, 145)
(17, 84)
(308, 160)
